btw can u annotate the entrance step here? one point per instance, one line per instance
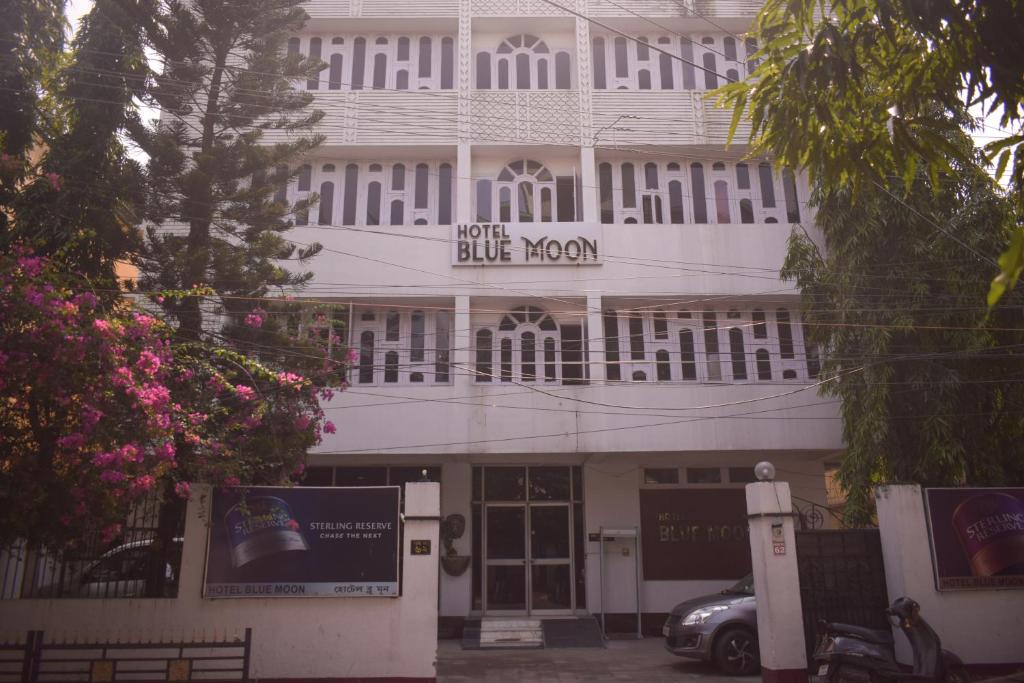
(579, 632)
(506, 632)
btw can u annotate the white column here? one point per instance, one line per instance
(588, 173)
(461, 354)
(420, 572)
(780, 623)
(464, 184)
(595, 339)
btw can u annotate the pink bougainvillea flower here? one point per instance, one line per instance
(232, 481)
(245, 393)
(54, 181)
(183, 490)
(143, 483)
(111, 532)
(165, 451)
(329, 427)
(148, 363)
(255, 318)
(112, 476)
(302, 422)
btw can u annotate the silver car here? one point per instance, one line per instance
(721, 628)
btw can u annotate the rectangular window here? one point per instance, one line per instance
(742, 475)
(703, 475)
(711, 346)
(565, 198)
(572, 354)
(636, 337)
(661, 475)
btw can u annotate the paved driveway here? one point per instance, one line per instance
(621, 660)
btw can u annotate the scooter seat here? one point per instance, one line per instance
(867, 634)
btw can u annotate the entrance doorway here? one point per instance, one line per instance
(530, 540)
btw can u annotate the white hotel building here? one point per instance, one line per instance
(610, 346)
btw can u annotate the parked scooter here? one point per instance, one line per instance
(848, 653)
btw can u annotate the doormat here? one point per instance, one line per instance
(567, 633)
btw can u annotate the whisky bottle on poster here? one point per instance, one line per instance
(266, 541)
(990, 527)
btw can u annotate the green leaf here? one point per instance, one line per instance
(1011, 264)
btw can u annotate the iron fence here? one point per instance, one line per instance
(37, 661)
(144, 561)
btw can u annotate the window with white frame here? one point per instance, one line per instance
(683, 345)
(380, 62)
(700, 62)
(677, 192)
(373, 193)
(525, 191)
(523, 62)
(403, 345)
(529, 345)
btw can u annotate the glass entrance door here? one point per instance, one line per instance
(528, 576)
(528, 540)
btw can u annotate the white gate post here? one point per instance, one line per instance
(780, 626)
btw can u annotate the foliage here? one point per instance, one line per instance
(90, 218)
(227, 81)
(931, 383)
(859, 91)
(101, 405)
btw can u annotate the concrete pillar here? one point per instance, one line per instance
(464, 184)
(780, 625)
(457, 591)
(420, 572)
(595, 339)
(588, 172)
(462, 341)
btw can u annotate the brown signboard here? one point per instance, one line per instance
(690, 534)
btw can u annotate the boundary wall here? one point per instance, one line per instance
(323, 639)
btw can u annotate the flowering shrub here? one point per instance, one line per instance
(99, 405)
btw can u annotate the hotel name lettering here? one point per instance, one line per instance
(676, 528)
(511, 244)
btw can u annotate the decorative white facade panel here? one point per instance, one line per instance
(401, 345)
(343, 9)
(525, 117)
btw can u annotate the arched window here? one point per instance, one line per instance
(293, 46)
(621, 62)
(380, 71)
(600, 81)
(442, 334)
(732, 75)
(689, 73)
(605, 190)
(746, 211)
(506, 359)
(710, 75)
(764, 365)
(417, 341)
(811, 352)
(722, 201)
(785, 333)
(750, 45)
(483, 70)
(789, 192)
(326, 214)
(529, 182)
(281, 182)
(398, 178)
(628, 186)
(636, 337)
(314, 54)
(665, 69)
(358, 63)
(391, 366)
(402, 80)
(348, 210)
(422, 180)
(334, 76)
(764, 174)
(742, 177)
(397, 212)
(664, 370)
(644, 79)
(739, 357)
(447, 64)
(484, 355)
(675, 202)
(373, 203)
(525, 61)
(687, 355)
(528, 353)
(563, 72)
(760, 327)
(305, 177)
(729, 45)
(444, 195)
(426, 52)
(366, 358)
(700, 200)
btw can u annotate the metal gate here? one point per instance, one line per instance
(842, 578)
